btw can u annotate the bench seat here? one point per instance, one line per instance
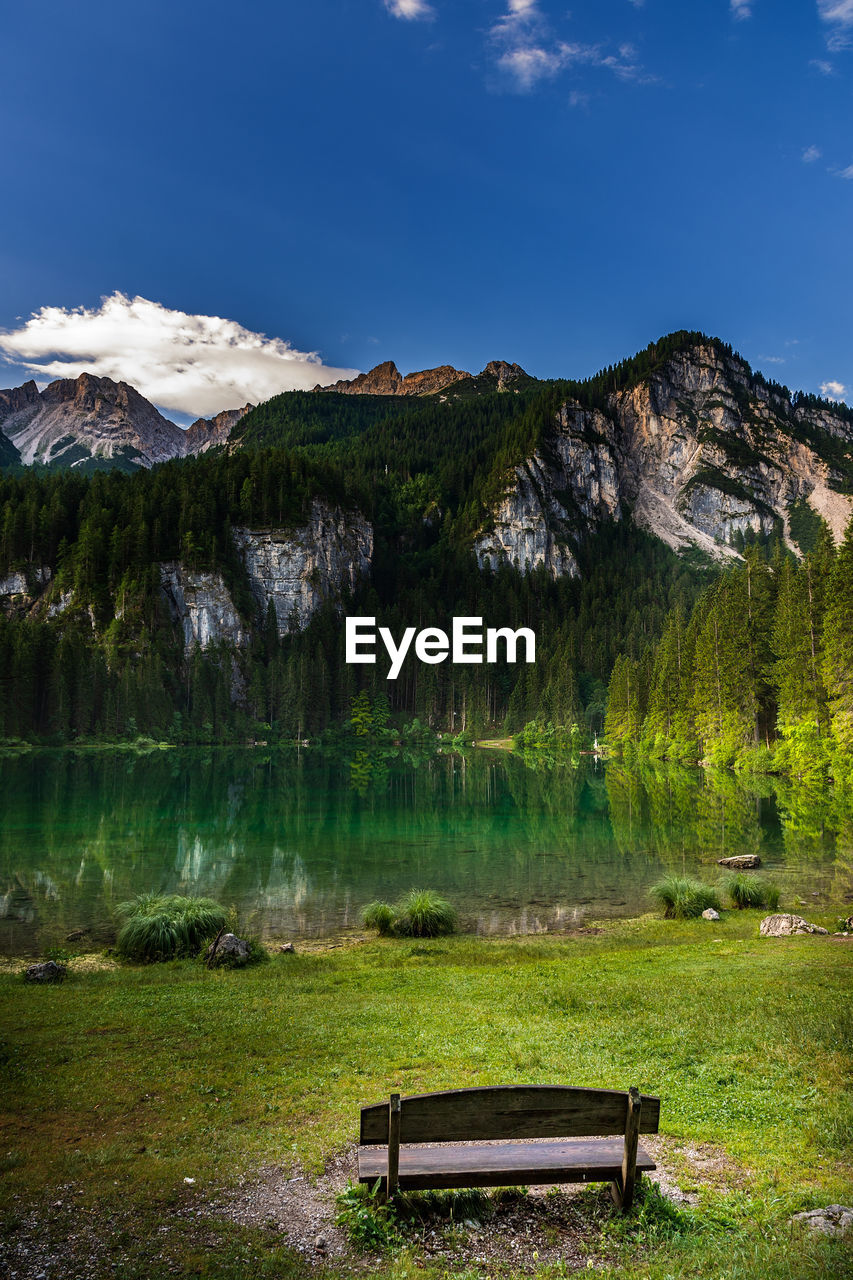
(501, 1164)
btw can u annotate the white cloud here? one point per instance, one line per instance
(833, 390)
(184, 363)
(772, 359)
(811, 154)
(528, 52)
(845, 173)
(820, 64)
(410, 10)
(740, 9)
(838, 15)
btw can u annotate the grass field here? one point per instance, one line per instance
(124, 1081)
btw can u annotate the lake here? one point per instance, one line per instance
(298, 842)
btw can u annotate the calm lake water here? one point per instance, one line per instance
(300, 842)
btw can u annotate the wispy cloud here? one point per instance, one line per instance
(740, 9)
(845, 173)
(811, 154)
(410, 10)
(833, 390)
(772, 359)
(838, 16)
(184, 363)
(527, 51)
(820, 64)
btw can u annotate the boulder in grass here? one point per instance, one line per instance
(834, 1220)
(710, 914)
(740, 862)
(50, 971)
(228, 950)
(784, 926)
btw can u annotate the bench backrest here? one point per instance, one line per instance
(504, 1112)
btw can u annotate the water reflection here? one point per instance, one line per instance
(298, 842)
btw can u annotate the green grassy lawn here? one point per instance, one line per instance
(123, 1082)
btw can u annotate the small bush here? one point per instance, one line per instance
(421, 914)
(682, 897)
(369, 1221)
(424, 914)
(167, 927)
(744, 891)
(381, 916)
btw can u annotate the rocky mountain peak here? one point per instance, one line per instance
(503, 371)
(386, 380)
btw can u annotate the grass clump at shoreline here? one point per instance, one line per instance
(683, 897)
(422, 913)
(160, 927)
(743, 891)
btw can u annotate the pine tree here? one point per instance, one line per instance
(837, 664)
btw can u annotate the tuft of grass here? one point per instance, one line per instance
(453, 1206)
(369, 1220)
(682, 897)
(167, 927)
(422, 913)
(748, 891)
(380, 916)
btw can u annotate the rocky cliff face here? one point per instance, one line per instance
(20, 588)
(298, 570)
(76, 419)
(565, 487)
(204, 433)
(202, 606)
(698, 452)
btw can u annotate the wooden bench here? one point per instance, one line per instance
(476, 1133)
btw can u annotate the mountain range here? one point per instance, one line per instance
(686, 438)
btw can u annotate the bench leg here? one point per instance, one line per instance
(393, 1182)
(623, 1190)
(617, 1195)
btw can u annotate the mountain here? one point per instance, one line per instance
(90, 421)
(700, 451)
(386, 380)
(75, 421)
(205, 433)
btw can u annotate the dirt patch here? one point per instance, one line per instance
(547, 1225)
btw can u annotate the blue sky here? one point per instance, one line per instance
(452, 182)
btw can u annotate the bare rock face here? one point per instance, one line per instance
(205, 433)
(386, 380)
(552, 501)
(20, 589)
(75, 419)
(201, 605)
(503, 371)
(296, 570)
(784, 926)
(700, 452)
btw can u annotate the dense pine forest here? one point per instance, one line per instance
(758, 674)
